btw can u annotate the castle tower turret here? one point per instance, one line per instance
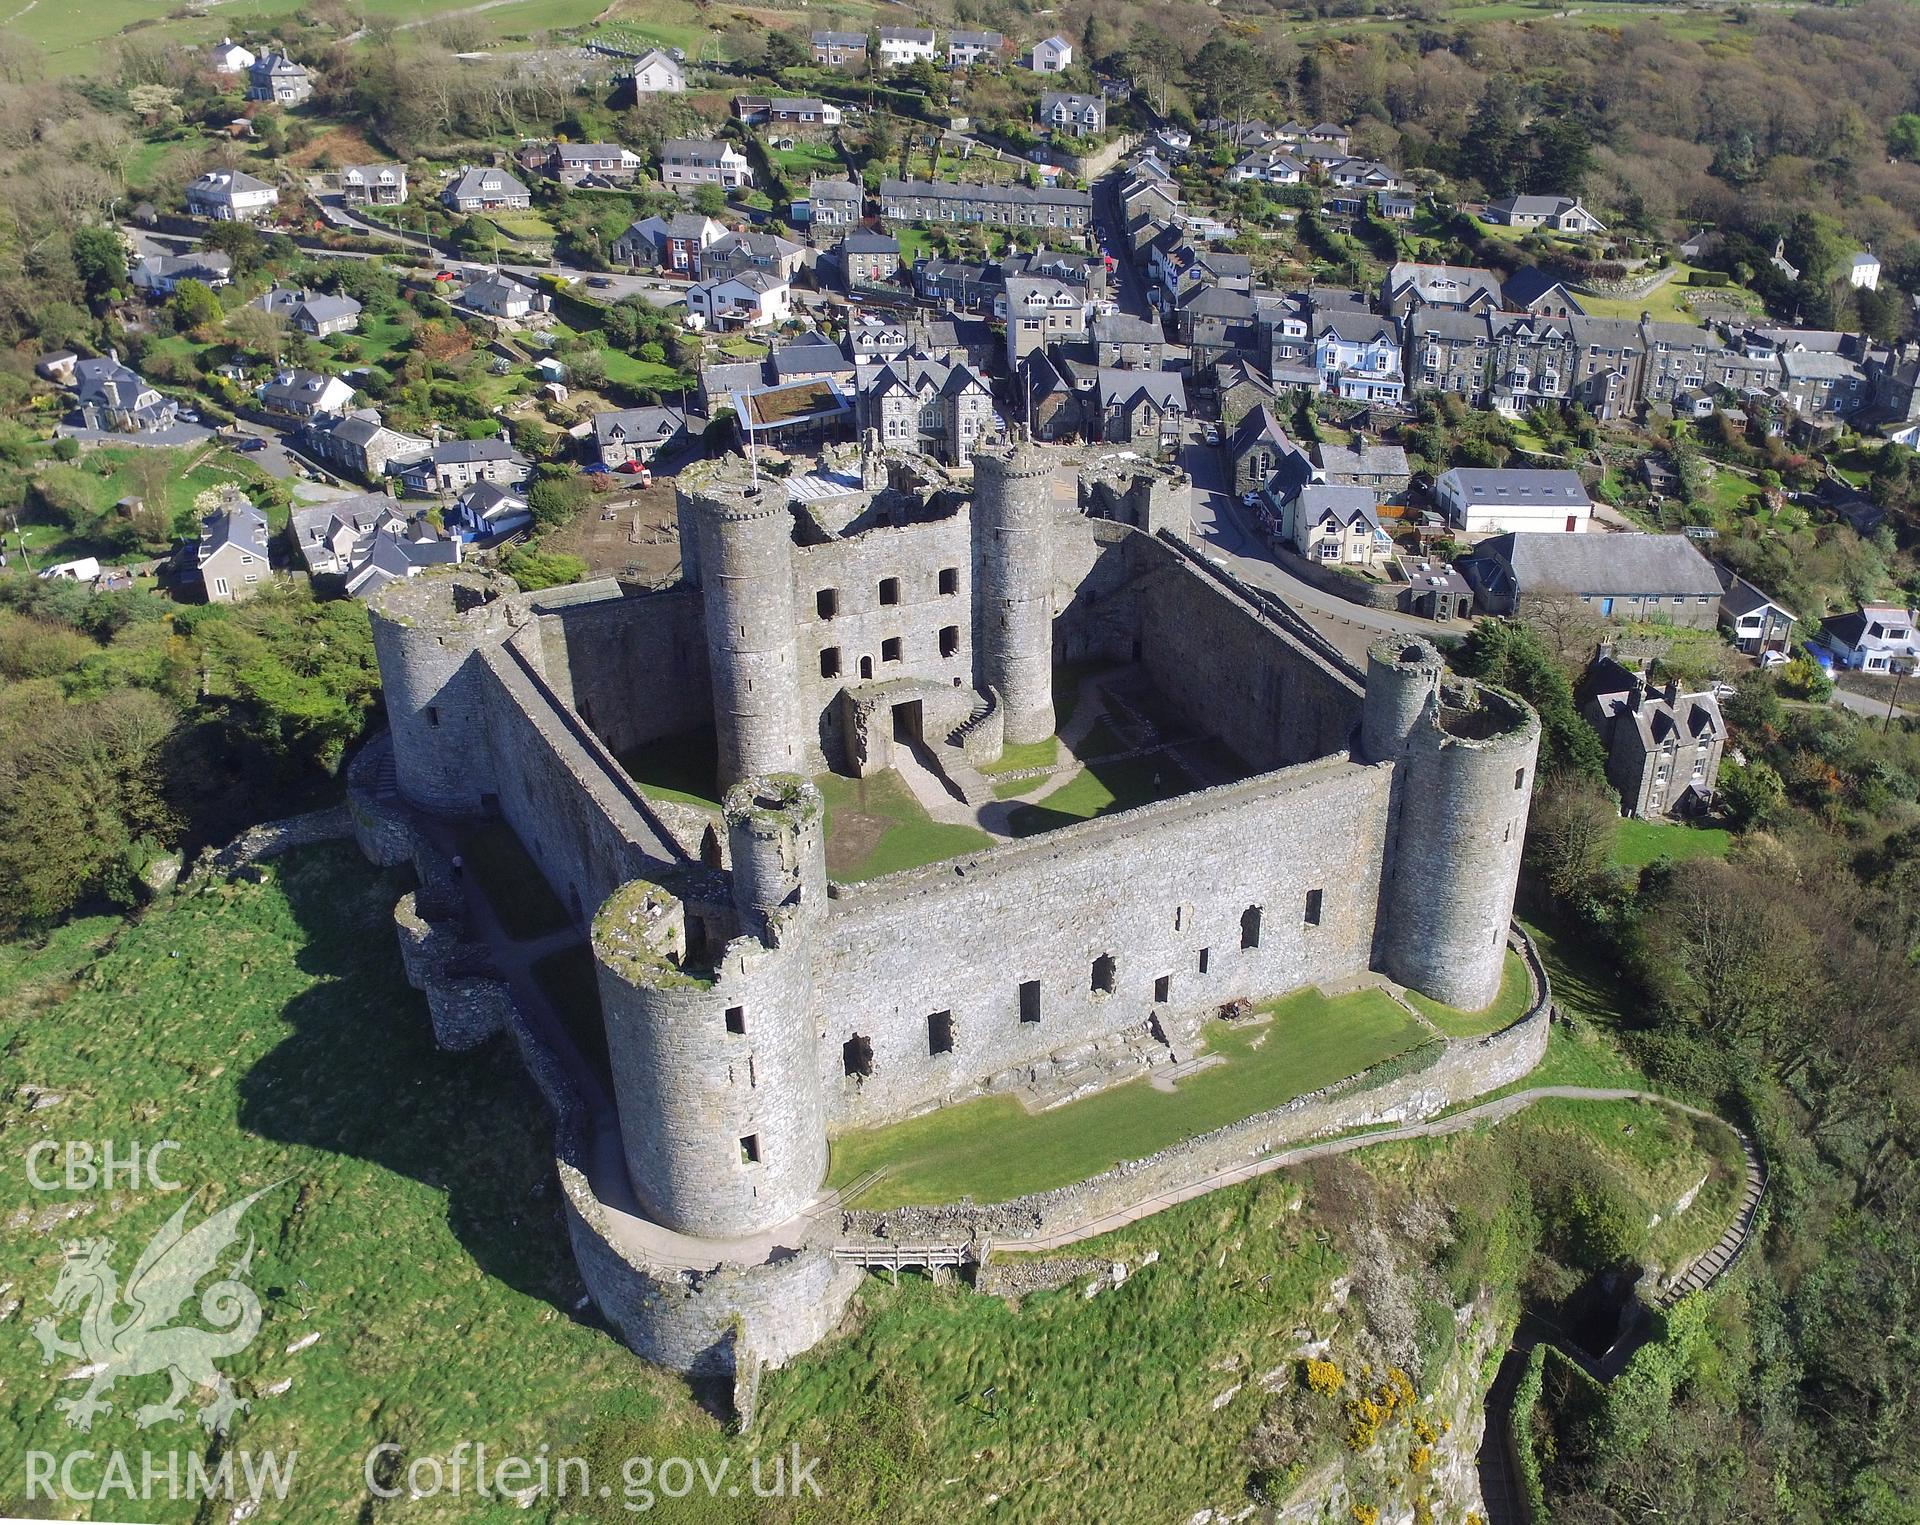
(425, 630)
(776, 828)
(745, 567)
(1013, 576)
(714, 1067)
(1403, 677)
(1463, 786)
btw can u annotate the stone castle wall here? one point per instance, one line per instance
(598, 653)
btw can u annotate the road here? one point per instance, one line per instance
(1866, 704)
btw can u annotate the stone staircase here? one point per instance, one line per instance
(1710, 1267)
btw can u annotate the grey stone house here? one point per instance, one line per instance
(868, 259)
(942, 408)
(232, 554)
(993, 206)
(454, 464)
(1663, 747)
(835, 203)
(358, 444)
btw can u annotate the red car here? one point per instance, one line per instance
(635, 469)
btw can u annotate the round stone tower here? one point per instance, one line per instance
(1403, 675)
(1461, 797)
(1013, 576)
(745, 566)
(776, 830)
(715, 1067)
(425, 630)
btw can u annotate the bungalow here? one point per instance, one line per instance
(1051, 55)
(1754, 623)
(454, 464)
(1079, 116)
(159, 274)
(751, 299)
(315, 314)
(380, 185)
(965, 49)
(230, 195)
(904, 45)
(305, 394)
(499, 295)
(231, 557)
(1483, 500)
(802, 111)
(1335, 525)
(674, 243)
(1268, 166)
(636, 434)
(1874, 638)
(686, 164)
(1658, 578)
(488, 513)
(658, 73)
(838, 50)
(485, 189)
(1561, 214)
(112, 396)
(573, 163)
(228, 57)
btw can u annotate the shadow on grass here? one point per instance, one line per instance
(357, 1073)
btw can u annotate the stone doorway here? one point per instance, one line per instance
(908, 721)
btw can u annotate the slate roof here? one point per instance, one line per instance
(1657, 566)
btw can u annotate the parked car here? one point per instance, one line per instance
(635, 469)
(595, 470)
(250, 445)
(1213, 434)
(599, 282)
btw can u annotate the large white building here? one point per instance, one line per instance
(1486, 501)
(230, 195)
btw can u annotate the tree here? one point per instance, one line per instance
(1571, 833)
(785, 50)
(195, 307)
(1903, 136)
(1512, 656)
(100, 260)
(1753, 794)
(555, 500)
(710, 200)
(240, 241)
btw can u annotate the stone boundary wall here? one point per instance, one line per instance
(1354, 590)
(1465, 1069)
(270, 839)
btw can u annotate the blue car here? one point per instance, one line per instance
(251, 444)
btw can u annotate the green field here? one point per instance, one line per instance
(993, 1149)
(1642, 842)
(409, 1220)
(875, 826)
(1509, 1006)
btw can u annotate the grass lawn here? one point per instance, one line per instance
(993, 1149)
(875, 826)
(1100, 789)
(1667, 303)
(685, 768)
(624, 369)
(1642, 842)
(807, 157)
(1509, 1006)
(409, 1227)
(511, 881)
(1019, 755)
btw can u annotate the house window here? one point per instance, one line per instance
(940, 1032)
(827, 602)
(949, 640)
(949, 580)
(1250, 927)
(736, 1020)
(1104, 973)
(889, 590)
(890, 649)
(750, 1149)
(1029, 1000)
(1314, 900)
(830, 662)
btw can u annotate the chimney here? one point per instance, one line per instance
(1673, 690)
(1633, 696)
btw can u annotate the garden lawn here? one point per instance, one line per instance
(407, 1250)
(1642, 842)
(993, 1149)
(1100, 789)
(1509, 1006)
(875, 826)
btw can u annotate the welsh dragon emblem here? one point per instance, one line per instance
(140, 1338)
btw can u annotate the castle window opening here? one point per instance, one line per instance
(940, 1032)
(1314, 900)
(1519, 778)
(949, 640)
(1029, 1000)
(750, 1149)
(1104, 971)
(866, 667)
(830, 662)
(1206, 957)
(737, 1020)
(1163, 988)
(827, 602)
(433, 716)
(949, 580)
(856, 1057)
(889, 590)
(891, 648)
(1250, 927)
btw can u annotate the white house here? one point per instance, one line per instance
(485, 189)
(500, 296)
(1081, 116)
(1335, 525)
(686, 164)
(160, 274)
(1487, 501)
(314, 313)
(1358, 356)
(230, 195)
(657, 73)
(751, 299)
(305, 394)
(1864, 272)
(904, 45)
(1051, 55)
(1562, 214)
(1874, 638)
(228, 57)
(381, 185)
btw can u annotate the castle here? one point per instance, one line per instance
(752, 1008)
